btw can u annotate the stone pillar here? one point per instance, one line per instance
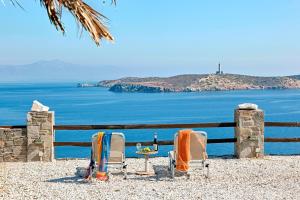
(249, 132)
(40, 136)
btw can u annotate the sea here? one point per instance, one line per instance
(84, 106)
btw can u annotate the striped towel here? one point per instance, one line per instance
(103, 143)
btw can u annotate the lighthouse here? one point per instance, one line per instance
(219, 72)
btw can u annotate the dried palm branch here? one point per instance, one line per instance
(91, 20)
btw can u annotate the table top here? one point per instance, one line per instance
(146, 153)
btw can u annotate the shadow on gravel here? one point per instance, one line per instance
(69, 179)
(161, 174)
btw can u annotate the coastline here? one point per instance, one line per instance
(199, 83)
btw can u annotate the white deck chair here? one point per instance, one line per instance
(197, 151)
(117, 152)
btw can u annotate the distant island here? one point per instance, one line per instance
(87, 85)
(200, 82)
(218, 81)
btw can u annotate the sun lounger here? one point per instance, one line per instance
(197, 153)
(117, 152)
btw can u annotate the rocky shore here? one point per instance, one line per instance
(202, 82)
(274, 177)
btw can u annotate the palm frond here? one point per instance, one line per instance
(14, 3)
(91, 20)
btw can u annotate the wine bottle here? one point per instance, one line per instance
(155, 144)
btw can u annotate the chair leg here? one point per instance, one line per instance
(125, 171)
(172, 171)
(170, 162)
(171, 167)
(188, 175)
(207, 167)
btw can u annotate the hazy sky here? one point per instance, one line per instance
(248, 36)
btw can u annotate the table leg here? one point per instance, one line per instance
(146, 162)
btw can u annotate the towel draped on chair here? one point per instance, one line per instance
(102, 156)
(183, 156)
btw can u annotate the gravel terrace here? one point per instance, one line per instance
(274, 177)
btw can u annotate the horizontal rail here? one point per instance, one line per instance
(157, 126)
(14, 126)
(171, 142)
(282, 124)
(282, 139)
(144, 126)
(167, 142)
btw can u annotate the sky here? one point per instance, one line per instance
(164, 37)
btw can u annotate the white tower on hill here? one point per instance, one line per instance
(219, 72)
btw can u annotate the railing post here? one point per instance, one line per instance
(40, 136)
(249, 132)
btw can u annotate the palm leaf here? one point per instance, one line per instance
(91, 20)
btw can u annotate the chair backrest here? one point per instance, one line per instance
(117, 147)
(197, 145)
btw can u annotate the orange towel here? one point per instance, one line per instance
(183, 154)
(99, 143)
(102, 176)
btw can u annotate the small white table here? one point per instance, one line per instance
(147, 156)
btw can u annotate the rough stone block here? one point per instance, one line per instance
(8, 157)
(8, 149)
(33, 152)
(20, 141)
(9, 135)
(9, 143)
(13, 145)
(45, 133)
(247, 123)
(33, 132)
(20, 150)
(2, 143)
(249, 132)
(46, 126)
(18, 133)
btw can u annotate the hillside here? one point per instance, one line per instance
(200, 82)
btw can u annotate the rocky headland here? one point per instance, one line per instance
(200, 82)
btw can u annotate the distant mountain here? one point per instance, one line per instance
(56, 71)
(200, 82)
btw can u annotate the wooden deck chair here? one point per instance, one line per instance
(198, 153)
(117, 152)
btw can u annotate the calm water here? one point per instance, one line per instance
(98, 106)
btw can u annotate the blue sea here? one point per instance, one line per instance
(74, 105)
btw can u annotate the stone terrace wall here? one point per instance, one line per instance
(34, 143)
(13, 145)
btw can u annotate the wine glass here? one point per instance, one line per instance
(138, 146)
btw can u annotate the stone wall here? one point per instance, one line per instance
(40, 136)
(249, 132)
(13, 145)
